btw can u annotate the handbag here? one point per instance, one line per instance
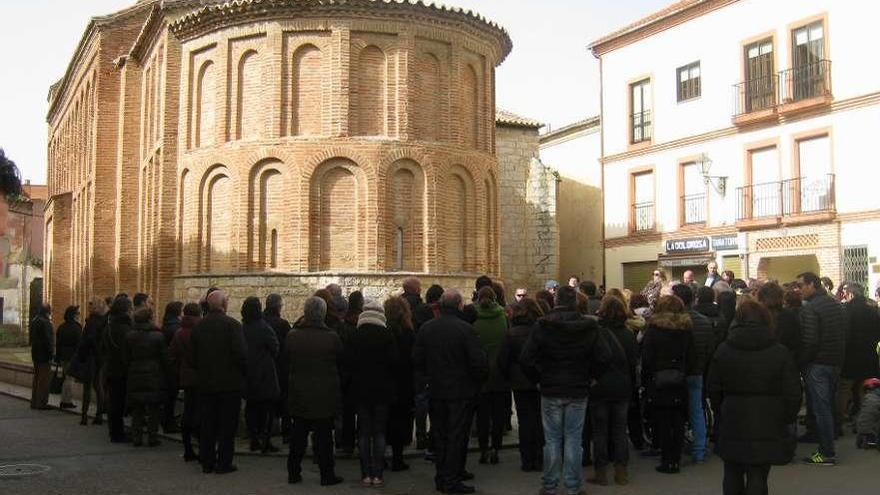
(78, 369)
(57, 382)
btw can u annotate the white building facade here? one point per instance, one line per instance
(742, 132)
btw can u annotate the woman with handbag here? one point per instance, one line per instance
(667, 351)
(66, 344)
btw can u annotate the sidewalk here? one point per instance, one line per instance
(241, 444)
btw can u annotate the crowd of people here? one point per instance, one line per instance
(592, 374)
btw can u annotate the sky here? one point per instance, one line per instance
(550, 75)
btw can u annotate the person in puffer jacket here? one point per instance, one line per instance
(557, 356)
(823, 345)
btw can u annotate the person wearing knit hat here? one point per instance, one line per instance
(373, 314)
(370, 357)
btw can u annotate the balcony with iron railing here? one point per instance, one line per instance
(640, 127)
(805, 86)
(693, 209)
(642, 219)
(755, 100)
(793, 201)
(792, 90)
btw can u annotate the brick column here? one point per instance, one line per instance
(340, 79)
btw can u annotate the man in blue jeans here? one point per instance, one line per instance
(823, 344)
(704, 347)
(557, 357)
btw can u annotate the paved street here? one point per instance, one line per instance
(80, 460)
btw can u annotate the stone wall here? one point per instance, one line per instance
(295, 288)
(527, 206)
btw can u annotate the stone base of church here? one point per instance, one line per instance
(296, 287)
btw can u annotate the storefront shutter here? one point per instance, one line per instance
(734, 264)
(637, 275)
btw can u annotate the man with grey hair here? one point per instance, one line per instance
(315, 397)
(340, 305)
(448, 356)
(272, 315)
(220, 360)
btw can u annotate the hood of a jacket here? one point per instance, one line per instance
(749, 336)
(189, 321)
(489, 313)
(671, 321)
(709, 310)
(145, 326)
(566, 321)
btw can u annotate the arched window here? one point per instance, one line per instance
(203, 119)
(428, 94)
(337, 216)
(369, 95)
(405, 203)
(307, 98)
(249, 123)
(470, 107)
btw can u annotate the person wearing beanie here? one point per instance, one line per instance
(370, 358)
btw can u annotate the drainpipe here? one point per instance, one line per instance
(602, 163)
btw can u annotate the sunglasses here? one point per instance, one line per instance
(521, 295)
(656, 274)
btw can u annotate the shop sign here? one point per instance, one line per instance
(693, 245)
(725, 242)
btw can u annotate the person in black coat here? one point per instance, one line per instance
(424, 313)
(370, 357)
(146, 357)
(42, 339)
(89, 357)
(345, 438)
(400, 423)
(272, 315)
(262, 375)
(220, 361)
(668, 357)
(787, 325)
(526, 313)
(315, 393)
(704, 347)
(557, 356)
(861, 345)
(170, 326)
(448, 357)
(614, 371)
(66, 342)
(755, 380)
(115, 369)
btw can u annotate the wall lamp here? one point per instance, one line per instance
(717, 181)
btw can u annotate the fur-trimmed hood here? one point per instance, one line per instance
(671, 321)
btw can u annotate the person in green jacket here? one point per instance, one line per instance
(493, 406)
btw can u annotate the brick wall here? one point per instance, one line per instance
(294, 144)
